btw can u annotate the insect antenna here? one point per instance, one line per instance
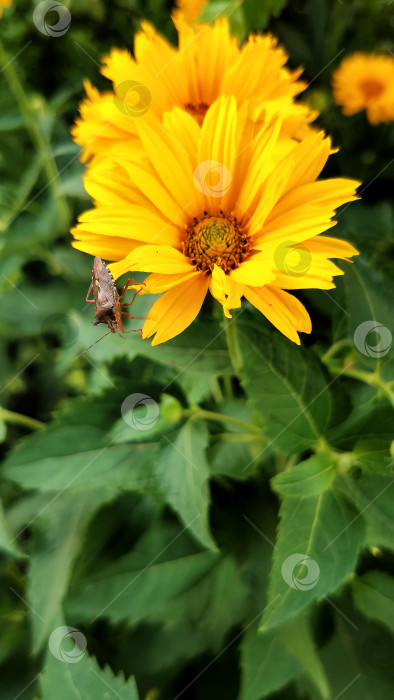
(90, 346)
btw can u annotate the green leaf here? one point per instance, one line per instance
(358, 658)
(297, 638)
(134, 594)
(183, 473)
(318, 541)
(7, 541)
(257, 14)
(62, 525)
(266, 665)
(369, 300)
(373, 495)
(287, 388)
(374, 597)
(84, 680)
(77, 457)
(374, 456)
(308, 478)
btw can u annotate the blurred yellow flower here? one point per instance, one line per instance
(214, 207)
(207, 64)
(191, 9)
(4, 3)
(365, 81)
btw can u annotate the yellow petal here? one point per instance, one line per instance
(176, 309)
(151, 258)
(282, 309)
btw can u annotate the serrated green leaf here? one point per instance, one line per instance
(374, 456)
(308, 478)
(77, 457)
(369, 301)
(318, 541)
(374, 597)
(139, 594)
(358, 658)
(297, 638)
(257, 15)
(183, 473)
(262, 672)
(373, 495)
(84, 680)
(7, 541)
(62, 525)
(287, 388)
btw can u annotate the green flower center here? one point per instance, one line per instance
(216, 240)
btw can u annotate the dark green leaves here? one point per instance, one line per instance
(83, 679)
(183, 474)
(287, 387)
(318, 541)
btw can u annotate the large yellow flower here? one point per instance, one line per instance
(207, 64)
(211, 208)
(366, 82)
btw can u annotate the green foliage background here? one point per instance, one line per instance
(163, 541)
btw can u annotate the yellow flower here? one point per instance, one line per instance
(211, 208)
(366, 82)
(208, 63)
(191, 9)
(4, 3)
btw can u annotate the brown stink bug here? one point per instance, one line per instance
(107, 300)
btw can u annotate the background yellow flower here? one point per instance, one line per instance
(4, 3)
(366, 82)
(207, 64)
(212, 208)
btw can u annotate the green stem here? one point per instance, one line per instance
(40, 141)
(334, 349)
(368, 377)
(197, 412)
(19, 419)
(232, 344)
(240, 437)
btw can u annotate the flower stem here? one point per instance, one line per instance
(232, 344)
(197, 412)
(40, 141)
(20, 419)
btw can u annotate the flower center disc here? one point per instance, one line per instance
(371, 88)
(198, 111)
(216, 240)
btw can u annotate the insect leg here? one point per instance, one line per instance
(90, 301)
